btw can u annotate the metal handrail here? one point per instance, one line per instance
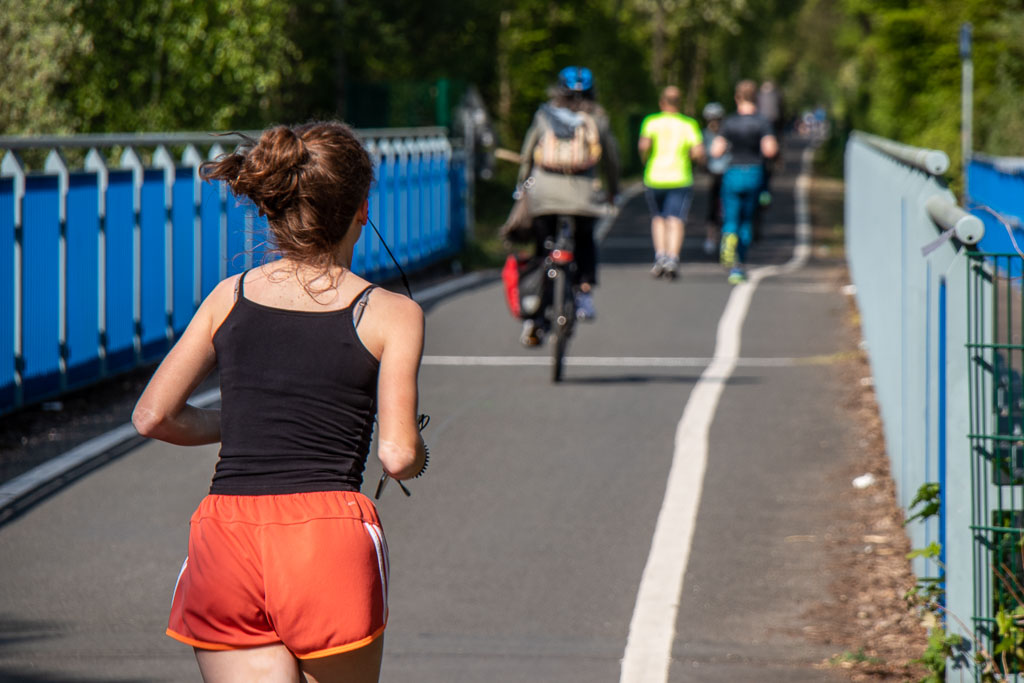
(1008, 165)
(968, 228)
(88, 140)
(931, 161)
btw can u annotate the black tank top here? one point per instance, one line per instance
(298, 398)
(744, 133)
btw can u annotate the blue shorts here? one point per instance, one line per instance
(669, 202)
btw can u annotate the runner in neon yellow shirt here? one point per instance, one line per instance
(668, 141)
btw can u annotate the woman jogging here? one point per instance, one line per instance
(750, 140)
(286, 574)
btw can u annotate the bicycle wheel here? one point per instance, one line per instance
(563, 314)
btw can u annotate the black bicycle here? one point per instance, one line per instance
(560, 270)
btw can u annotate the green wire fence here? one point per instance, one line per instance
(995, 346)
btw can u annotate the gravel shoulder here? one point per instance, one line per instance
(875, 634)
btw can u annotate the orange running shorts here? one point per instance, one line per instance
(309, 570)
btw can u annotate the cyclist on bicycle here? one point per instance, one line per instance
(568, 139)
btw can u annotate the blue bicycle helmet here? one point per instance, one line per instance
(576, 79)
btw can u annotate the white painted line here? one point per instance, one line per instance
(648, 654)
(611, 361)
(13, 490)
(28, 482)
(22, 485)
(604, 223)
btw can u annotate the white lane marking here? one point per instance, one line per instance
(614, 362)
(604, 223)
(648, 653)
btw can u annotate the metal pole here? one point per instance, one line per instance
(966, 99)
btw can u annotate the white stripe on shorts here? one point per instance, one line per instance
(178, 580)
(381, 545)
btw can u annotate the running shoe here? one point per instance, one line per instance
(531, 335)
(659, 266)
(671, 268)
(765, 198)
(728, 253)
(736, 276)
(585, 306)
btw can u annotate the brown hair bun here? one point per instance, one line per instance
(309, 181)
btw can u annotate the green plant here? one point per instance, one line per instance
(928, 593)
(857, 657)
(941, 646)
(929, 496)
(1007, 656)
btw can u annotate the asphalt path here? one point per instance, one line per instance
(520, 555)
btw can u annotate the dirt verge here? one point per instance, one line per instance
(875, 633)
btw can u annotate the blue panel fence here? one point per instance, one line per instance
(996, 196)
(102, 267)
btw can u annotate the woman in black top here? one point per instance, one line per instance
(749, 139)
(286, 578)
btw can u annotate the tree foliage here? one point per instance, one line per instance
(36, 43)
(887, 66)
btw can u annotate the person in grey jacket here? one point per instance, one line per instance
(569, 186)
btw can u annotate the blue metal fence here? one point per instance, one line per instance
(102, 266)
(996, 187)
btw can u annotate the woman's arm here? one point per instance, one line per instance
(769, 146)
(400, 449)
(162, 412)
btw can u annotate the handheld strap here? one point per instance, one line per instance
(357, 314)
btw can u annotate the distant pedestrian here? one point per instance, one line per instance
(750, 140)
(770, 107)
(287, 568)
(668, 142)
(713, 114)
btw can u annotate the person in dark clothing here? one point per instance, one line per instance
(770, 107)
(750, 140)
(713, 114)
(287, 567)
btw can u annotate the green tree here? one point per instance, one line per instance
(165, 64)
(37, 42)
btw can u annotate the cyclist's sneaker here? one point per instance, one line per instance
(585, 306)
(710, 247)
(532, 335)
(671, 268)
(658, 269)
(728, 252)
(736, 276)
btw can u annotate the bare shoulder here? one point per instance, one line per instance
(225, 291)
(396, 309)
(219, 302)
